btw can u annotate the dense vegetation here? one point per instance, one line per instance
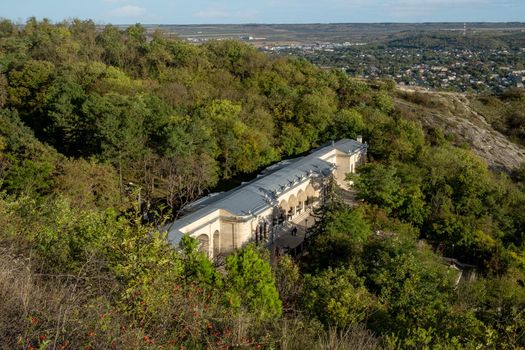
(86, 112)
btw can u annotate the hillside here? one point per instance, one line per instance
(454, 115)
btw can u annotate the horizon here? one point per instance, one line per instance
(205, 12)
(100, 23)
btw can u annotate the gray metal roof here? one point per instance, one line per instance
(259, 194)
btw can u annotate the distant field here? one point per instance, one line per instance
(307, 33)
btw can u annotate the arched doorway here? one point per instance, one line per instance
(311, 194)
(285, 208)
(204, 244)
(301, 197)
(261, 232)
(293, 204)
(277, 215)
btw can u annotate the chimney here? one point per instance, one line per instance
(359, 138)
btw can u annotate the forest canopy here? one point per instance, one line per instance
(105, 133)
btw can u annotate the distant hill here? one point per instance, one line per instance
(330, 32)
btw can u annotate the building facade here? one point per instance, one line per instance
(256, 210)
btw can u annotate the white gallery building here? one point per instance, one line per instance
(254, 211)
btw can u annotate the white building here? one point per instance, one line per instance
(254, 211)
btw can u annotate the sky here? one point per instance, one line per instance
(267, 11)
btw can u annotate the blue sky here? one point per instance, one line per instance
(268, 11)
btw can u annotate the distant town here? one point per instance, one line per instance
(465, 57)
(447, 69)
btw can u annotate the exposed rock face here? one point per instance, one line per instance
(452, 113)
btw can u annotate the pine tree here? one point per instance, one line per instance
(330, 202)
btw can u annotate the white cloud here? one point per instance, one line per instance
(128, 11)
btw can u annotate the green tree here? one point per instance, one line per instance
(379, 185)
(341, 238)
(88, 184)
(3, 90)
(347, 123)
(241, 149)
(384, 102)
(119, 124)
(29, 177)
(461, 176)
(289, 281)
(198, 268)
(110, 39)
(28, 90)
(67, 128)
(338, 297)
(292, 141)
(395, 139)
(250, 284)
(317, 110)
(413, 286)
